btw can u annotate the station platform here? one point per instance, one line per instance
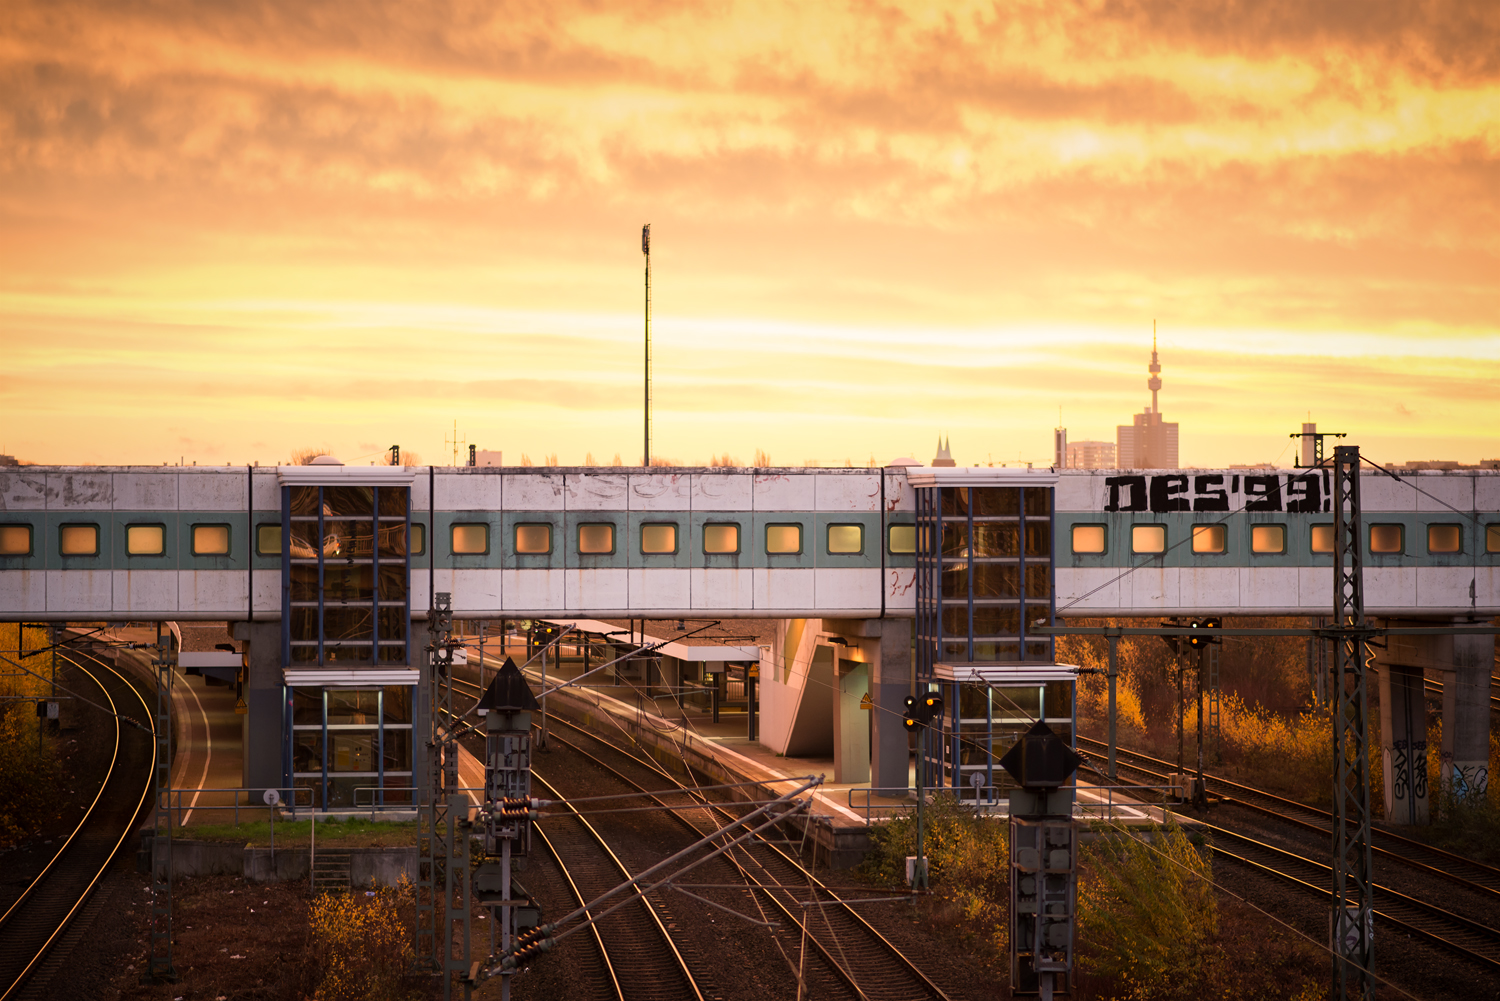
(208, 734)
(681, 735)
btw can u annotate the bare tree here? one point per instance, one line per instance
(588, 459)
(762, 458)
(305, 456)
(526, 460)
(617, 461)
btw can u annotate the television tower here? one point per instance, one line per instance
(1153, 383)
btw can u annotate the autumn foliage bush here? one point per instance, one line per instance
(29, 765)
(1146, 911)
(968, 862)
(360, 945)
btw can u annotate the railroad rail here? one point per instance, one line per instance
(851, 959)
(636, 953)
(1428, 859)
(33, 924)
(1434, 690)
(1439, 926)
(849, 956)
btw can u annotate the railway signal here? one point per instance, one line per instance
(920, 712)
(1043, 862)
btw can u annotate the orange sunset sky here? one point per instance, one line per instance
(233, 230)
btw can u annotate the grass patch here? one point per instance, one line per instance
(355, 832)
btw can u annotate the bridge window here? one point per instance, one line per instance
(78, 540)
(1088, 538)
(1209, 539)
(724, 539)
(658, 540)
(1387, 539)
(268, 540)
(783, 540)
(901, 540)
(534, 540)
(15, 540)
(846, 539)
(1268, 538)
(210, 540)
(1148, 539)
(470, 540)
(1322, 538)
(596, 539)
(145, 540)
(1445, 539)
(1492, 538)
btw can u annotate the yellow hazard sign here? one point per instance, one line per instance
(754, 671)
(865, 702)
(240, 707)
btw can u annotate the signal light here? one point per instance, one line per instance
(922, 711)
(1199, 640)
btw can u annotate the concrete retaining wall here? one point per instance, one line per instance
(385, 866)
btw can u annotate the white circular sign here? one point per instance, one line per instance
(272, 797)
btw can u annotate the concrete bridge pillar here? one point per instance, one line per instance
(263, 720)
(890, 684)
(1403, 739)
(1466, 715)
(1465, 664)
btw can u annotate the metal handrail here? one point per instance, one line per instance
(374, 807)
(986, 798)
(289, 801)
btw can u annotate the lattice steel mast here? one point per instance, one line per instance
(1352, 920)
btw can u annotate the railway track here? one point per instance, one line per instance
(637, 955)
(845, 956)
(38, 919)
(1467, 937)
(1434, 690)
(1427, 859)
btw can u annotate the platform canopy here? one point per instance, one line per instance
(1002, 673)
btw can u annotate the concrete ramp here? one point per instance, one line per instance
(811, 734)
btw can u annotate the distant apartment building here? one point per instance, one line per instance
(1091, 455)
(1148, 442)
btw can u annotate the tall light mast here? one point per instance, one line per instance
(646, 250)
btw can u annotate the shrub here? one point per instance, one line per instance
(968, 860)
(1147, 911)
(361, 945)
(29, 766)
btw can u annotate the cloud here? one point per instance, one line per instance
(868, 216)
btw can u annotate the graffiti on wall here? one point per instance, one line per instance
(1160, 493)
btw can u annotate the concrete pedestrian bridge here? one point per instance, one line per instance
(881, 579)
